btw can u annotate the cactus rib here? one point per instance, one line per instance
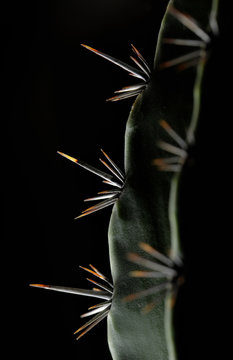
(145, 250)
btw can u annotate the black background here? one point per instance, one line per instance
(53, 99)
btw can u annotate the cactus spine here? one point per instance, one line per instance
(144, 245)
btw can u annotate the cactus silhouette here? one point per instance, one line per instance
(145, 250)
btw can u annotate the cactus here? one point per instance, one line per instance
(145, 250)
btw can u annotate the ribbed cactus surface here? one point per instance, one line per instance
(145, 251)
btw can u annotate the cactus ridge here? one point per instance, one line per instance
(158, 140)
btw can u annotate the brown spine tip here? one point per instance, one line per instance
(132, 257)
(148, 308)
(159, 162)
(130, 297)
(90, 48)
(164, 124)
(138, 273)
(68, 157)
(146, 247)
(40, 286)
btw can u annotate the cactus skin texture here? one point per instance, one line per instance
(146, 210)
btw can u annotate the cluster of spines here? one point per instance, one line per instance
(115, 178)
(177, 153)
(102, 291)
(168, 272)
(201, 43)
(142, 72)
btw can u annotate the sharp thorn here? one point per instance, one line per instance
(68, 157)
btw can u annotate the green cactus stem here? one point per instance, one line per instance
(145, 249)
(162, 123)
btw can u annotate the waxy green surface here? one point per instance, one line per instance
(147, 208)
